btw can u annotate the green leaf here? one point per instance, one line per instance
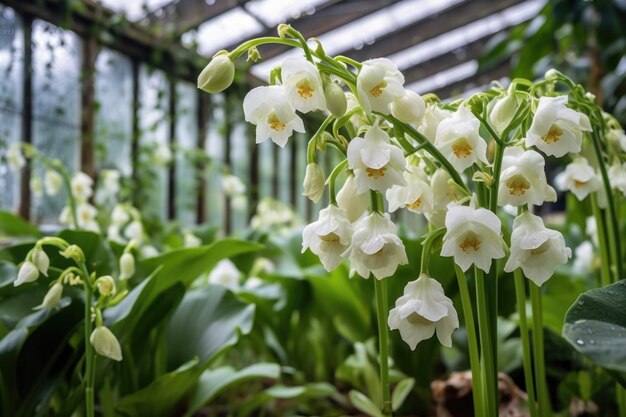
(207, 321)
(596, 326)
(214, 382)
(402, 390)
(162, 395)
(15, 226)
(362, 403)
(8, 273)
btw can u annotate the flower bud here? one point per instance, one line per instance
(41, 261)
(552, 74)
(283, 30)
(74, 253)
(335, 99)
(36, 186)
(52, 298)
(503, 112)
(106, 285)
(253, 54)
(52, 182)
(127, 266)
(105, 343)
(313, 182)
(28, 273)
(408, 108)
(218, 75)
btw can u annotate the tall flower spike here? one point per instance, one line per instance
(377, 164)
(376, 247)
(379, 83)
(328, 237)
(268, 109)
(556, 129)
(536, 249)
(523, 179)
(423, 310)
(473, 237)
(459, 140)
(303, 85)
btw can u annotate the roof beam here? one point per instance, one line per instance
(455, 16)
(479, 79)
(328, 16)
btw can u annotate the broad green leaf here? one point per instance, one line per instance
(362, 403)
(214, 382)
(295, 394)
(402, 390)
(12, 225)
(162, 395)
(207, 321)
(8, 273)
(596, 326)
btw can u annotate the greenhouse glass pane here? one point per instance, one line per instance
(266, 168)
(187, 141)
(153, 131)
(215, 149)
(134, 9)
(223, 30)
(114, 115)
(240, 142)
(56, 106)
(273, 12)
(283, 171)
(11, 69)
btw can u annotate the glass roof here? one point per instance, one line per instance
(134, 9)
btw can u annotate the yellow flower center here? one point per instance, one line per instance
(414, 205)
(471, 243)
(415, 318)
(330, 238)
(579, 184)
(275, 123)
(304, 89)
(462, 148)
(541, 249)
(517, 186)
(376, 172)
(553, 136)
(85, 216)
(377, 90)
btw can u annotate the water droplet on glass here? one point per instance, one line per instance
(580, 342)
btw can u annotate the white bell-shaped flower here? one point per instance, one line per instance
(127, 265)
(416, 195)
(52, 297)
(328, 237)
(617, 177)
(36, 186)
(523, 179)
(225, 274)
(446, 193)
(433, 115)
(110, 181)
(423, 310)
(303, 85)
(41, 260)
(233, 186)
(536, 249)
(162, 155)
(53, 181)
(580, 178)
(377, 164)
(105, 343)
(583, 258)
(353, 204)
(408, 108)
(28, 272)
(15, 159)
(86, 216)
(472, 237)
(376, 247)
(556, 129)
(502, 112)
(269, 110)
(313, 182)
(190, 240)
(378, 84)
(459, 140)
(120, 215)
(81, 185)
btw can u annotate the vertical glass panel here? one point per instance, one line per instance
(240, 152)
(266, 168)
(187, 141)
(153, 129)
(56, 106)
(215, 149)
(11, 70)
(114, 115)
(283, 171)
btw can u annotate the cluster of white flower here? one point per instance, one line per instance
(418, 156)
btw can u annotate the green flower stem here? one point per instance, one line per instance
(520, 294)
(605, 264)
(383, 340)
(237, 52)
(426, 244)
(89, 352)
(488, 359)
(311, 155)
(545, 409)
(307, 51)
(331, 181)
(472, 342)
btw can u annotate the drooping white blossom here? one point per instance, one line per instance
(445, 194)
(353, 204)
(433, 115)
(617, 177)
(502, 112)
(53, 181)
(226, 274)
(376, 247)
(233, 186)
(110, 181)
(86, 217)
(36, 185)
(421, 311)
(583, 257)
(377, 164)
(81, 185)
(15, 159)
(105, 343)
(52, 297)
(536, 249)
(41, 260)
(303, 85)
(472, 237)
(580, 178)
(127, 265)
(28, 272)
(408, 108)
(313, 184)
(556, 129)
(523, 179)
(162, 155)
(190, 240)
(269, 110)
(459, 140)
(378, 84)
(416, 195)
(328, 237)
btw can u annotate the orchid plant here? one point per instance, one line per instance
(463, 165)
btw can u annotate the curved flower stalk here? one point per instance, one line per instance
(473, 154)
